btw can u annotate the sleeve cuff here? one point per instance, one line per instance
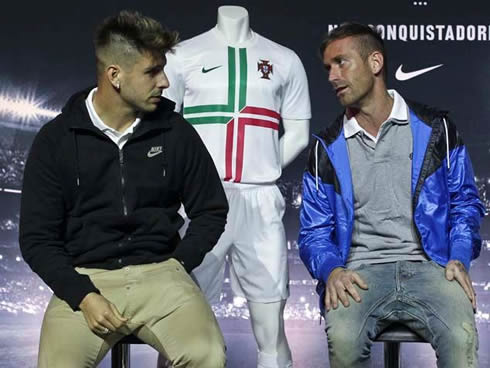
(327, 268)
(74, 292)
(461, 252)
(188, 261)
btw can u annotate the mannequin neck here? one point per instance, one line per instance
(233, 24)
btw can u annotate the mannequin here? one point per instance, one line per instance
(234, 25)
(236, 91)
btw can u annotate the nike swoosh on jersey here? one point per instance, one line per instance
(154, 153)
(403, 76)
(204, 70)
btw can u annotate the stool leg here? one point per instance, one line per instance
(120, 356)
(392, 354)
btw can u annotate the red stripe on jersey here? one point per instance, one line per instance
(260, 123)
(229, 149)
(261, 111)
(242, 122)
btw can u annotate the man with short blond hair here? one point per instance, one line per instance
(390, 213)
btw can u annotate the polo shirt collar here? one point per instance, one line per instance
(97, 121)
(398, 115)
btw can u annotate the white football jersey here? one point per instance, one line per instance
(235, 97)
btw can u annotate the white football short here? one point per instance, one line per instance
(254, 243)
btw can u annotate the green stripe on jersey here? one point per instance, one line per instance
(243, 79)
(209, 120)
(232, 89)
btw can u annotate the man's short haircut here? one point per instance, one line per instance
(368, 40)
(122, 36)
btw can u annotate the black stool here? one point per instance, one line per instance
(120, 354)
(392, 336)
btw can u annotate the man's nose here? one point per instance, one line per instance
(333, 74)
(163, 80)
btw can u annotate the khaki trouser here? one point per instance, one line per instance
(167, 311)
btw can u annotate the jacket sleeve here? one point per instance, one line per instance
(42, 220)
(203, 198)
(466, 208)
(317, 247)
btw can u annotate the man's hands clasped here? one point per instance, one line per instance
(101, 315)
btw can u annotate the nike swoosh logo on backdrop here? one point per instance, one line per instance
(204, 70)
(403, 76)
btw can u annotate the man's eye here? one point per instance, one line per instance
(153, 72)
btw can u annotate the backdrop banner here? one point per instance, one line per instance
(438, 54)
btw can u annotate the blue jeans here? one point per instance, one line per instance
(415, 294)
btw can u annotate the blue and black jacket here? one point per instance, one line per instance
(446, 207)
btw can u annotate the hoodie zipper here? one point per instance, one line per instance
(121, 161)
(121, 166)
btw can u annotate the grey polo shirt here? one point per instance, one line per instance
(381, 169)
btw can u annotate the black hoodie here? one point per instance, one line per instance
(86, 203)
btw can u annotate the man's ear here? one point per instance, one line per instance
(376, 62)
(113, 73)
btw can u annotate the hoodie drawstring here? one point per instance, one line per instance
(77, 165)
(447, 143)
(316, 165)
(164, 155)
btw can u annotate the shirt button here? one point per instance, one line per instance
(120, 245)
(119, 261)
(129, 238)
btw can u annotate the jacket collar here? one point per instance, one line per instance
(398, 115)
(425, 113)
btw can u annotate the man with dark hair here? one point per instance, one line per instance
(99, 223)
(390, 214)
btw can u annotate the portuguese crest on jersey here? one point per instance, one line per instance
(265, 68)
